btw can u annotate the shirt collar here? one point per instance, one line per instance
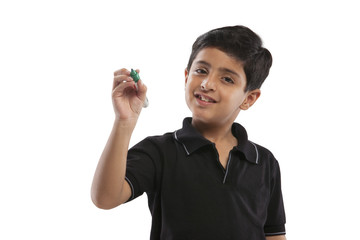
(192, 140)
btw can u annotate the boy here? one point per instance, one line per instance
(206, 180)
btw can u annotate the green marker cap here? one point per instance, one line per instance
(135, 75)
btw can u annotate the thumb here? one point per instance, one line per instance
(142, 89)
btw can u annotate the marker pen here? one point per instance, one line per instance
(135, 75)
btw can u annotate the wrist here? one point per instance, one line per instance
(125, 123)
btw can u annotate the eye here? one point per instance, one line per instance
(200, 71)
(228, 80)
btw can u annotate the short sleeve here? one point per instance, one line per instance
(142, 167)
(275, 222)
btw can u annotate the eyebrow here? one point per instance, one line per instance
(222, 69)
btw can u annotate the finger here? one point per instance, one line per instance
(120, 79)
(122, 71)
(124, 87)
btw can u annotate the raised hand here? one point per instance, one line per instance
(127, 99)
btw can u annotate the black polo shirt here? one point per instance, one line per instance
(192, 196)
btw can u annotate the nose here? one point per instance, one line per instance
(208, 84)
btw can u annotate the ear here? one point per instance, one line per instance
(186, 75)
(250, 99)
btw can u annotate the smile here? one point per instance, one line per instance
(205, 98)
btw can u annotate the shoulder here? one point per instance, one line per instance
(263, 151)
(156, 142)
(268, 163)
(161, 139)
(265, 155)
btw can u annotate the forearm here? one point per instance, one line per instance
(108, 184)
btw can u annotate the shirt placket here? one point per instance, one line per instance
(226, 170)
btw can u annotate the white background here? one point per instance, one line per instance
(57, 60)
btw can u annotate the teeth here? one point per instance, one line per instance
(204, 99)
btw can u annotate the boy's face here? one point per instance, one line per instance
(214, 88)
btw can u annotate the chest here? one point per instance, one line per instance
(221, 168)
(200, 185)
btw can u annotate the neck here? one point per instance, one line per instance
(214, 132)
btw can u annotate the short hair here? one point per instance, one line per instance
(244, 45)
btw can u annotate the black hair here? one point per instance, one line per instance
(244, 45)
